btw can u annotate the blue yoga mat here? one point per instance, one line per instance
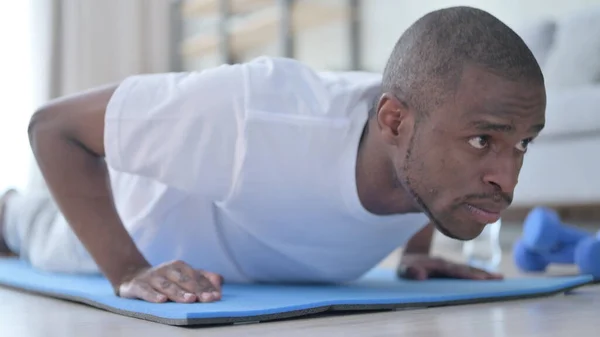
(377, 290)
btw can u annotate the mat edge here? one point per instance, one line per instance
(335, 308)
(378, 307)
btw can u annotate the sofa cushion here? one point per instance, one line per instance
(574, 59)
(572, 111)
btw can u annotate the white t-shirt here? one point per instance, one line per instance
(248, 170)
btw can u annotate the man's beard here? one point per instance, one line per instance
(409, 186)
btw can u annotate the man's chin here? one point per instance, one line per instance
(449, 234)
(453, 235)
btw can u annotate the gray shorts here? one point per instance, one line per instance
(37, 232)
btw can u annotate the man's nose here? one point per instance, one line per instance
(503, 175)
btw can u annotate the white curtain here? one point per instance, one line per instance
(65, 46)
(100, 41)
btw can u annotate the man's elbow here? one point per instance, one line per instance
(37, 121)
(44, 121)
(77, 119)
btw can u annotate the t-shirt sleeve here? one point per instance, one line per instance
(180, 129)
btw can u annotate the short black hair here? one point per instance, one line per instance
(426, 63)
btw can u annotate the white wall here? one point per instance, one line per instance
(17, 84)
(385, 20)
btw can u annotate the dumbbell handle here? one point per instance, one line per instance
(528, 260)
(571, 234)
(544, 237)
(563, 255)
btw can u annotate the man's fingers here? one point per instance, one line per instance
(141, 291)
(175, 281)
(468, 272)
(211, 288)
(421, 271)
(484, 275)
(496, 276)
(493, 276)
(413, 272)
(215, 279)
(458, 271)
(186, 278)
(423, 267)
(171, 289)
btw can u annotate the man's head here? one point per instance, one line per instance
(463, 98)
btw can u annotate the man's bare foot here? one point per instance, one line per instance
(4, 250)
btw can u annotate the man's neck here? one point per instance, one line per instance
(378, 189)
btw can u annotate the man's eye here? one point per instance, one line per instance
(479, 142)
(522, 146)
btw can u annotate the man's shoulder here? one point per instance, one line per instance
(268, 72)
(283, 85)
(274, 75)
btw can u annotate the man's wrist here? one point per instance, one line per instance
(421, 242)
(128, 273)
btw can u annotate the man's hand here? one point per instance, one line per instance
(423, 266)
(175, 281)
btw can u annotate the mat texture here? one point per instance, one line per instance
(378, 290)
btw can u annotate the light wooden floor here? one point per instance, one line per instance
(576, 314)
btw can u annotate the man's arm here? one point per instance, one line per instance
(417, 263)
(421, 242)
(67, 139)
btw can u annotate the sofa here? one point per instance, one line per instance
(562, 166)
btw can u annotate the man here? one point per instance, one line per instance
(268, 171)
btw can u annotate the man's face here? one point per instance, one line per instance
(463, 160)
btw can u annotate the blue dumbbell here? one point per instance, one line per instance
(530, 260)
(587, 256)
(544, 232)
(547, 240)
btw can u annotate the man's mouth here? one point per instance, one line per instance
(482, 215)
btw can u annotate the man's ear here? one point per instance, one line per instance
(392, 115)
